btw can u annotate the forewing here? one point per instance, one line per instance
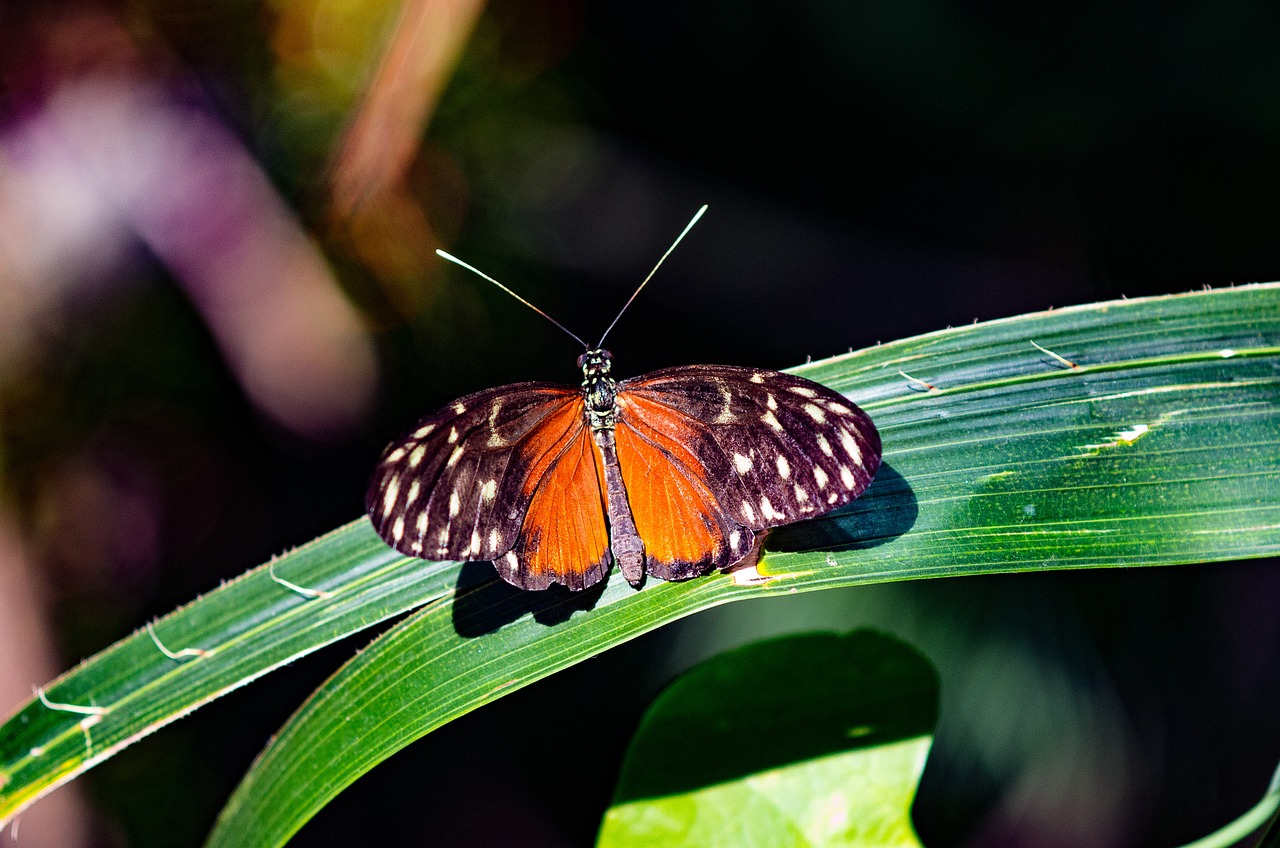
(774, 448)
(564, 538)
(458, 485)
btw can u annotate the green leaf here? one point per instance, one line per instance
(244, 629)
(1015, 462)
(1268, 812)
(1263, 818)
(1161, 447)
(800, 741)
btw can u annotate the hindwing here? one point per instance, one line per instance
(564, 538)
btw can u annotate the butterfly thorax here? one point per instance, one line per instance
(599, 389)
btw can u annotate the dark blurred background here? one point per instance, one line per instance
(219, 299)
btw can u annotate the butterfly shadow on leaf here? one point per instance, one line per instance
(888, 509)
(485, 603)
(885, 511)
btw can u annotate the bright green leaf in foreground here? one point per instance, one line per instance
(801, 741)
(1162, 446)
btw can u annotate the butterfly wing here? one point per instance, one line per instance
(508, 475)
(564, 538)
(458, 484)
(674, 502)
(710, 454)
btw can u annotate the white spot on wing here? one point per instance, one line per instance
(770, 401)
(839, 408)
(489, 490)
(493, 539)
(422, 524)
(454, 504)
(495, 441)
(475, 542)
(742, 463)
(416, 456)
(725, 415)
(784, 467)
(820, 476)
(824, 445)
(801, 494)
(453, 435)
(413, 494)
(846, 477)
(749, 512)
(389, 496)
(850, 445)
(734, 536)
(455, 456)
(832, 498)
(757, 377)
(394, 455)
(459, 408)
(815, 412)
(767, 510)
(397, 531)
(769, 419)
(423, 431)
(803, 391)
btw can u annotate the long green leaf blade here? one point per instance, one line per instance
(218, 643)
(1129, 433)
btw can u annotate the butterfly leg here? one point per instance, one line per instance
(624, 539)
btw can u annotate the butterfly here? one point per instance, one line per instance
(672, 473)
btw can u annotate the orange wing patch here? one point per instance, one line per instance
(564, 538)
(684, 531)
(544, 444)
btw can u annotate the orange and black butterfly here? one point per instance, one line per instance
(671, 473)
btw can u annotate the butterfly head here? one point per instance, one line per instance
(595, 364)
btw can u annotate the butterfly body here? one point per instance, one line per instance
(600, 399)
(671, 473)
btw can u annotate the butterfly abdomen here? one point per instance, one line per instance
(624, 539)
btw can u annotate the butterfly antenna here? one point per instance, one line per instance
(456, 261)
(679, 238)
